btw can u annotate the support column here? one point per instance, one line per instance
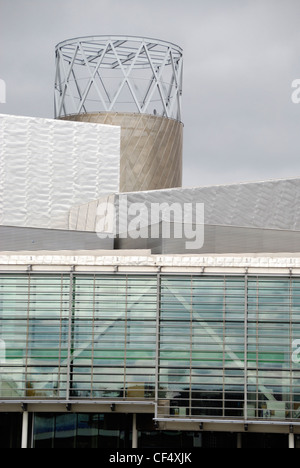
(134, 432)
(291, 441)
(24, 430)
(239, 440)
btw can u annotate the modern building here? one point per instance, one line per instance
(136, 84)
(119, 329)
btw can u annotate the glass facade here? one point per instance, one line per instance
(82, 430)
(198, 346)
(10, 430)
(113, 431)
(72, 336)
(202, 346)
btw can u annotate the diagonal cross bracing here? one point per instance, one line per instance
(93, 71)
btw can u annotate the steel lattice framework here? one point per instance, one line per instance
(118, 74)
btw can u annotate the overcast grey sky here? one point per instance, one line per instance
(240, 59)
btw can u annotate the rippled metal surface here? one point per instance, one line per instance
(47, 166)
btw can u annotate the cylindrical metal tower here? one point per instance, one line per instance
(135, 83)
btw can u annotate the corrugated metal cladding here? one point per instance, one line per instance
(17, 238)
(252, 217)
(273, 204)
(217, 240)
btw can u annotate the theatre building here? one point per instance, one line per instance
(135, 313)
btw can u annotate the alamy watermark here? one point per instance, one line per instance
(129, 220)
(2, 92)
(2, 352)
(296, 93)
(296, 352)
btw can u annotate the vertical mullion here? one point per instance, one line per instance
(224, 346)
(191, 348)
(60, 335)
(157, 353)
(257, 347)
(27, 334)
(246, 349)
(70, 335)
(291, 346)
(93, 336)
(125, 336)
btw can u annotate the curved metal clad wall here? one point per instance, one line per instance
(151, 149)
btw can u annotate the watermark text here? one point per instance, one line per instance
(2, 92)
(152, 221)
(296, 93)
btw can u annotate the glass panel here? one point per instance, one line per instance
(10, 430)
(82, 430)
(271, 306)
(114, 323)
(33, 335)
(65, 431)
(44, 430)
(106, 325)
(201, 335)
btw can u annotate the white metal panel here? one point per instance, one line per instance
(146, 259)
(273, 204)
(47, 166)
